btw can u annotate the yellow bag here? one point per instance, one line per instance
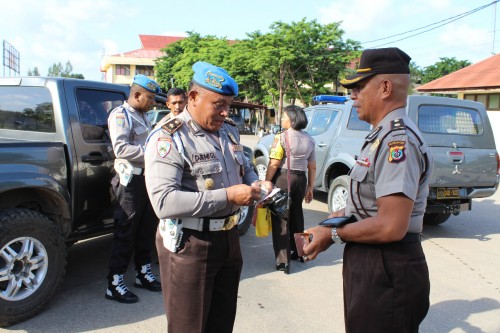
(263, 222)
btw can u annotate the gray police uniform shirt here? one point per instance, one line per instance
(395, 165)
(301, 148)
(129, 130)
(195, 186)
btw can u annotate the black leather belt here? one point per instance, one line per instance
(293, 172)
(411, 238)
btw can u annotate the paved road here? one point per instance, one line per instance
(463, 257)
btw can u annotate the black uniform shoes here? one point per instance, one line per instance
(146, 279)
(285, 268)
(118, 291)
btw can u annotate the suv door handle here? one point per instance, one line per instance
(94, 157)
(321, 145)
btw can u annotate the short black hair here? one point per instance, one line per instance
(176, 92)
(298, 119)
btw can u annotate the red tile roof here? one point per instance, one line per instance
(151, 46)
(482, 75)
(157, 42)
(142, 53)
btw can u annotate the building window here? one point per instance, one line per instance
(494, 102)
(122, 70)
(146, 70)
(490, 101)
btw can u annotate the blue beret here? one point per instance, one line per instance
(214, 78)
(147, 83)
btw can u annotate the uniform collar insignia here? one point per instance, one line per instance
(373, 134)
(194, 126)
(233, 139)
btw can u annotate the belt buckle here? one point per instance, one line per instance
(230, 222)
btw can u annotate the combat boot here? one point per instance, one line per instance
(118, 291)
(146, 279)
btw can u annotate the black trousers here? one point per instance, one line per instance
(386, 287)
(200, 282)
(283, 240)
(135, 225)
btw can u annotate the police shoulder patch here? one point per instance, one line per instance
(163, 146)
(172, 125)
(396, 151)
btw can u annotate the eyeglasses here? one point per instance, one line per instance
(358, 87)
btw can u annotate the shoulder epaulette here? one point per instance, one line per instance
(229, 121)
(172, 125)
(397, 124)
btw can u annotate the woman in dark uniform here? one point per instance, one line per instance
(301, 160)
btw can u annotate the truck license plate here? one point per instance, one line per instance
(447, 193)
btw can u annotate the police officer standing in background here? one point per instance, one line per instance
(386, 279)
(176, 101)
(135, 219)
(196, 176)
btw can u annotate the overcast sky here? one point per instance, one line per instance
(81, 31)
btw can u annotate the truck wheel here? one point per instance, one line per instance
(337, 193)
(261, 166)
(32, 262)
(435, 219)
(246, 213)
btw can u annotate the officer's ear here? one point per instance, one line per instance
(385, 85)
(192, 96)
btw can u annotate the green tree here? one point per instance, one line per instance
(35, 72)
(415, 76)
(297, 60)
(291, 62)
(175, 66)
(58, 70)
(443, 67)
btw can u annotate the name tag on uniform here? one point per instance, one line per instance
(237, 148)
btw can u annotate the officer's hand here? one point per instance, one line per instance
(243, 195)
(337, 213)
(265, 185)
(321, 240)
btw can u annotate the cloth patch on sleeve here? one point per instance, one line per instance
(396, 151)
(277, 152)
(120, 120)
(163, 146)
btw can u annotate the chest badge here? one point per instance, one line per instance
(209, 183)
(396, 151)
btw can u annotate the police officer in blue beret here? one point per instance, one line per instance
(197, 179)
(135, 219)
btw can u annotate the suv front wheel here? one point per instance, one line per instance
(337, 193)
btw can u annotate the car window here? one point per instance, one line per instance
(321, 120)
(444, 119)
(356, 124)
(93, 109)
(17, 112)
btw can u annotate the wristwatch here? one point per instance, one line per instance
(335, 237)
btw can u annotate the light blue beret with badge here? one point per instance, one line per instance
(147, 83)
(214, 79)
